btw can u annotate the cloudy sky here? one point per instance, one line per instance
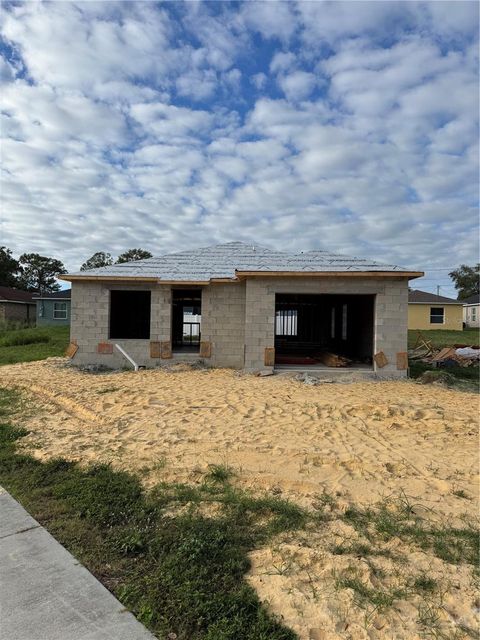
(349, 126)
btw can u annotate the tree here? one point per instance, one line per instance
(466, 280)
(39, 273)
(10, 269)
(99, 259)
(133, 254)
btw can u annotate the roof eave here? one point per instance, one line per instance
(440, 302)
(372, 274)
(75, 277)
(126, 279)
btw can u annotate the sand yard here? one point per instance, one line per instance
(337, 444)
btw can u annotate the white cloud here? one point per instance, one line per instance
(283, 61)
(297, 85)
(271, 19)
(259, 80)
(371, 150)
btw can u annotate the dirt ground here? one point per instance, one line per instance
(352, 444)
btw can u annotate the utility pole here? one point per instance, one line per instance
(438, 289)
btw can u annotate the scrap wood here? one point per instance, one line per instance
(444, 354)
(422, 342)
(418, 355)
(71, 350)
(381, 359)
(333, 360)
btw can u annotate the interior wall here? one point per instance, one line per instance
(342, 324)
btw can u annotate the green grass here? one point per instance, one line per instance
(445, 338)
(465, 378)
(380, 599)
(37, 343)
(397, 519)
(176, 556)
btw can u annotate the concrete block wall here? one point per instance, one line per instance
(90, 323)
(391, 306)
(238, 319)
(391, 323)
(223, 323)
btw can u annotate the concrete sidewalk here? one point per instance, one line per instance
(45, 594)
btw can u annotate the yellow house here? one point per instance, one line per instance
(428, 311)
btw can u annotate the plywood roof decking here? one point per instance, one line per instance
(227, 261)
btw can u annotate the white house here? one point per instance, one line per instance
(471, 311)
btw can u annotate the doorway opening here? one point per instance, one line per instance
(308, 327)
(186, 320)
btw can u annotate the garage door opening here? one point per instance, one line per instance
(186, 320)
(310, 329)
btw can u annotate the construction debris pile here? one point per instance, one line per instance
(457, 355)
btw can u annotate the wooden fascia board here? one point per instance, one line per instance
(69, 278)
(331, 274)
(127, 279)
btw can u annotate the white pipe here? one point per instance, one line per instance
(125, 355)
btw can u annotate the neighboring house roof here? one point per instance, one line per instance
(56, 295)
(475, 299)
(9, 294)
(235, 259)
(423, 297)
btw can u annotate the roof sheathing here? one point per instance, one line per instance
(234, 260)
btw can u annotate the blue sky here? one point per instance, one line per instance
(348, 126)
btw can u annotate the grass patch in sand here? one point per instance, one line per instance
(176, 556)
(35, 343)
(379, 599)
(396, 518)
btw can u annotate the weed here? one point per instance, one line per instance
(359, 549)
(397, 519)
(219, 473)
(460, 493)
(323, 500)
(365, 595)
(108, 390)
(424, 583)
(159, 464)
